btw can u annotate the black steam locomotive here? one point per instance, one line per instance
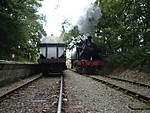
(86, 57)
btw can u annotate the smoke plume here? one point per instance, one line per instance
(89, 20)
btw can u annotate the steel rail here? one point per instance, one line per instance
(124, 80)
(129, 81)
(138, 96)
(127, 91)
(18, 87)
(60, 96)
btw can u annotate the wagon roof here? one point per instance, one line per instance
(52, 45)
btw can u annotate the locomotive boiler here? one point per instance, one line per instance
(86, 57)
(52, 58)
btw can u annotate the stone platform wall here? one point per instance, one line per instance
(13, 71)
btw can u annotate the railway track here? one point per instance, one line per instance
(129, 91)
(58, 109)
(59, 106)
(129, 81)
(10, 91)
(124, 89)
(137, 90)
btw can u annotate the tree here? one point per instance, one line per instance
(124, 31)
(71, 36)
(21, 28)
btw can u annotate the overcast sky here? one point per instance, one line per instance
(57, 11)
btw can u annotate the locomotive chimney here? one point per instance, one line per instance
(89, 38)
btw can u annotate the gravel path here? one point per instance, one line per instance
(89, 96)
(38, 97)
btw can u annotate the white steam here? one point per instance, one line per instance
(89, 20)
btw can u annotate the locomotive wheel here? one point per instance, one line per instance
(78, 69)
(86, 70)
(82, 70)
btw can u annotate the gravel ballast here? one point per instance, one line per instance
(133, 75)
(38, 97)
(85, 95)
(132, 87)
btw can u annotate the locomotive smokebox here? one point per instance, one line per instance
(89, 38)
(85, 57)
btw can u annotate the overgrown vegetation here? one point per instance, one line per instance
(123, 32)
(20, 29)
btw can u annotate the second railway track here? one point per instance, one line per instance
(132, 82)
(17, 87)
(124, 86)
(42, 95)
(126, 89)
(137, 90)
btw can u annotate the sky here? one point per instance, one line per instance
(56, 11)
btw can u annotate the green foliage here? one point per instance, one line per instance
(71, 36)
(133, 58)
(124, 32)
(21, 29)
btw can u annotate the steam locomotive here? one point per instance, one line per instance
(52, 58)
(86, 57)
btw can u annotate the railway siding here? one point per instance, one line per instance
(96, 97)
(126, 85)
